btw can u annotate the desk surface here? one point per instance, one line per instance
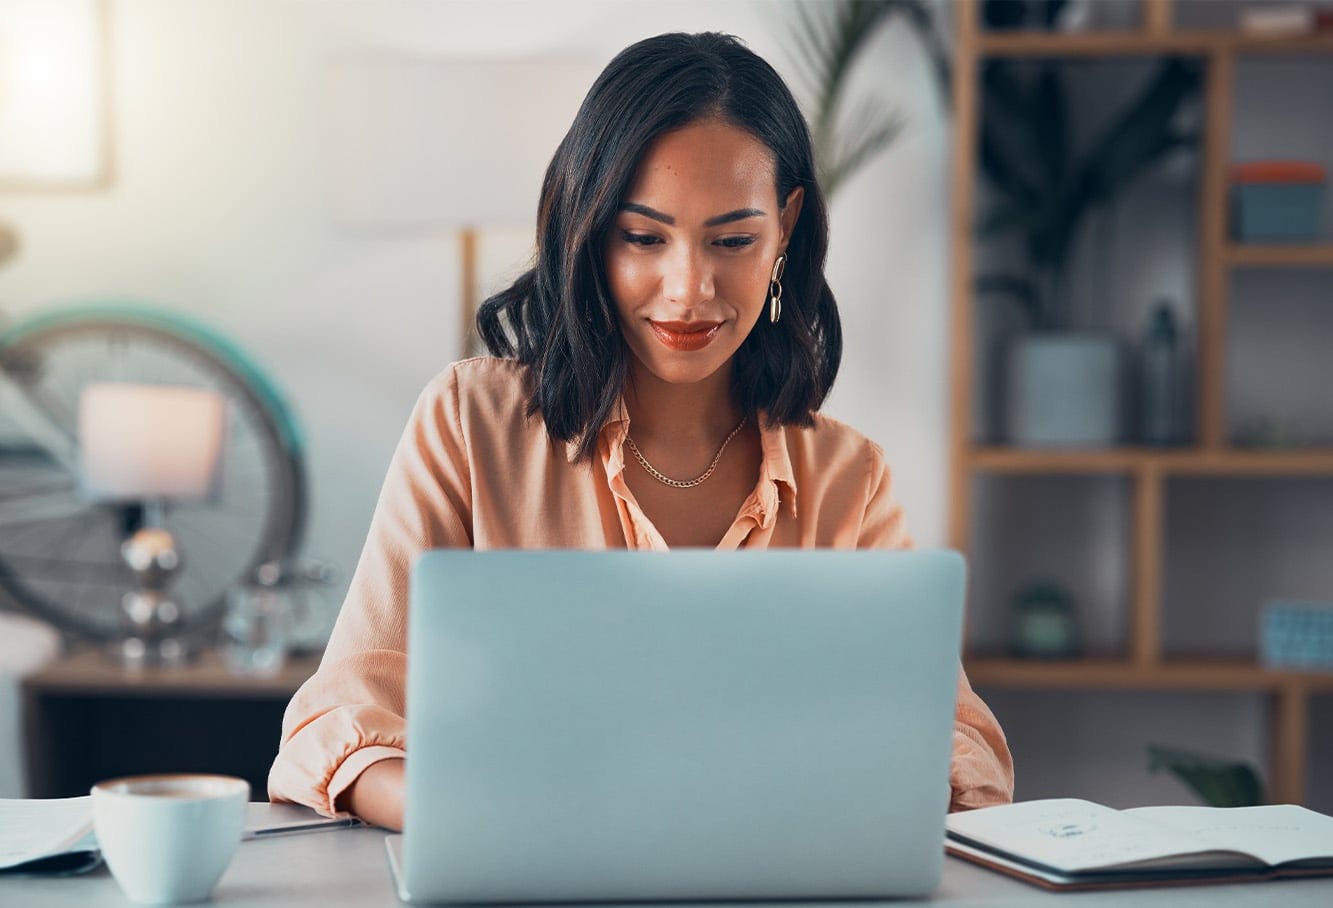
(348, 867)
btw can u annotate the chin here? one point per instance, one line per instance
(683, 373)
(680, 368)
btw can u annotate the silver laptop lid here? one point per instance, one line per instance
(693, 725)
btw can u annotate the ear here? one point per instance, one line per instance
(790, 212)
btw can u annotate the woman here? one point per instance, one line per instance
(658, 378)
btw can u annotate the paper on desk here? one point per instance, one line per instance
(36, 829)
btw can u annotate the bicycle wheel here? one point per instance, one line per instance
(59, 553)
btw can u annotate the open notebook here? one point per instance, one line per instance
(1072, 844)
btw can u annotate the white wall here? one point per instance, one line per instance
(217, 209)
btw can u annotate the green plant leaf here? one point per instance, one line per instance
(1142, 133)
(1050, 11)
(1026, 154)
(1017, 289)
(921, 16)
(874, 131)
(1219, 782)
(1003, 217)
(1050, 125)
(825, 42)
(1005, 165)
(1011, 134)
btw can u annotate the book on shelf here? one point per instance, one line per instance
(1067, 844)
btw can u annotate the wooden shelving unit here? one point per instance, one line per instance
(1142, 667)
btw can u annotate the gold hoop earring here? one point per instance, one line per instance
(775, 290)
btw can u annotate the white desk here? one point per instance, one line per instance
(348, 867)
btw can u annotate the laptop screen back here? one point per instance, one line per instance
(691, 725)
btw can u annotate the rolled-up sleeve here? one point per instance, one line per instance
(349, 715)
(981, 771)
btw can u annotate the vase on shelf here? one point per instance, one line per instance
(1064, 389)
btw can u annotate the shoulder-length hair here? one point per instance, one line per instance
(559, 317)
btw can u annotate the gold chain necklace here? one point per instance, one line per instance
(676, 483)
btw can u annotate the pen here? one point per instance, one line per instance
(314, 826)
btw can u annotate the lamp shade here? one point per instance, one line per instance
(141, 442)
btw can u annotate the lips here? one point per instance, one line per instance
(686, 335)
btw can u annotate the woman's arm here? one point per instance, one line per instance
(348, 719)
(376, 795)
(981, 771)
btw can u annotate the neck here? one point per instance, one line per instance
(700, 413)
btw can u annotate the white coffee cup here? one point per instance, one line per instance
(168, 838)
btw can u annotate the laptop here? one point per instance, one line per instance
(693, 725)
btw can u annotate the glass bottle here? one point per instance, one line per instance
(1160, 391)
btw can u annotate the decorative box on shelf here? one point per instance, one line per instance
(1297, 635)
(1276, 200)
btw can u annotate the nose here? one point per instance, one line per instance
(687, 278)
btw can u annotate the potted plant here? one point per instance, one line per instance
(1063, 387)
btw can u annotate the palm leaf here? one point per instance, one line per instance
(825, 42)
(877, 129)
(1051, 130)
(1018, 289)
(1142, 134)
(1218, 782)
(1011, 140)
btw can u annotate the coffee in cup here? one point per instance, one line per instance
(168, 838)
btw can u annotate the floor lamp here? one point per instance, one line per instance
(420, 146)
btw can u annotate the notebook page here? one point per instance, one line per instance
(1275, 834)
(33, 829)
(1073, 835)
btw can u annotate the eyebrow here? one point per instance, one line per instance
(739, 214)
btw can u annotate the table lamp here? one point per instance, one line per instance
(145, 447)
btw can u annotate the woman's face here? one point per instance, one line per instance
(689, 256)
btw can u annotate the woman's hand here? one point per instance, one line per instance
(377, 795)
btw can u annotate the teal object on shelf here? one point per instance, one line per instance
(1276, 211)
(1296, 635)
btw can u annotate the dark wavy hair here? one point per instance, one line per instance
(559, 317)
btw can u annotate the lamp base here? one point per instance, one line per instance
(153, 620)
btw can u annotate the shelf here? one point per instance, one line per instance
(1295, 255)
(90, 673)
(1119, 674)
(1137, 43)
(1093, 44)
(1224, 58)
(1179, 461)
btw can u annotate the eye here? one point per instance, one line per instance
(639, 239)
(736, 242)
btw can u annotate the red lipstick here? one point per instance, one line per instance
(685, 335)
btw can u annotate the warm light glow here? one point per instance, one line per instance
(141, 442)
(50, 91)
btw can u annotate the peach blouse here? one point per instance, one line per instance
(472, 470)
